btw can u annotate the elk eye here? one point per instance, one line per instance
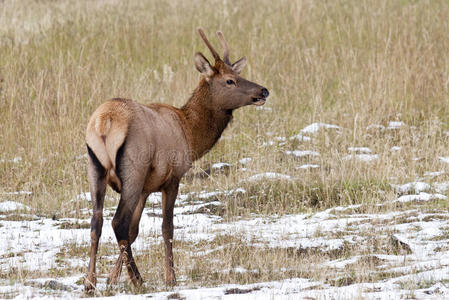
(230, 81)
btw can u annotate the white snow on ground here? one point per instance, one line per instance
(245, 160)
(314, 128)
(441, 187)
(362, 157)
(19, 193)
(15, 160)
(396, 148)
(395, 125)
(421, 197)
(416, 187)
(444, 159)
(375, 126)
(269, 175)
(83, 197)
(8, 206)
(360, 150)
(40, 241)
(220, 165)
(308, 166)
(300, 138)
(302, 153)
(434, 174)
(34, 245)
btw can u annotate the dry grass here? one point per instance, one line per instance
(350, 63)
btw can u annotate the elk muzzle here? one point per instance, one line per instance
(262, 98)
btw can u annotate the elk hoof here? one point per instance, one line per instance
(89, 284)
(135, 277)
(170, 279)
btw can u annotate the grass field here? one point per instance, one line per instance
(360, 65)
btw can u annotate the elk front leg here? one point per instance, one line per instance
(169, 194)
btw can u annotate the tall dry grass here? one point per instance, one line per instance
(350, 63)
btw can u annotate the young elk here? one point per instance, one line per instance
(140, 149)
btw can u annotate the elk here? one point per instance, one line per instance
(139, 149)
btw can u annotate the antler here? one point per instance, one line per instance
(203, 36)
(225, 46)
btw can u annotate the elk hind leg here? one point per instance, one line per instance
(97, 181)
(130, 263)
(122, 222)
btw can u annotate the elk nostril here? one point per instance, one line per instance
(265, 92)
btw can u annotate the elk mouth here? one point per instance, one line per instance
(259, 101)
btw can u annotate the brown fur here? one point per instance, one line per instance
(139, 149)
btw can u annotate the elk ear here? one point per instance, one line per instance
(203, 66)
(238, 65)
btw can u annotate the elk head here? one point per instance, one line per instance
(228, 89)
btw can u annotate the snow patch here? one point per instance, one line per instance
(302, 153)
(416, 187)
(392, 125)
(300, 137)
(308, 166)
(420, 197)
(314, 128)
(375, 126)
(362, 157)
(220, 165)
(434, 174)
(15, 160)
(19, 193)
(444, 159)
(441, 187)
(269, 175)
(8, 206)
(365, 150)
(245, 160)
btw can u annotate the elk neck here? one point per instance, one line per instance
(204, 124)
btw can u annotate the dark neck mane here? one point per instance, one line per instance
(204, 124)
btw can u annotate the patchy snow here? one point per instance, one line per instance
(269, 175)
(395, 125)
(434, 174)
(82, 197)
(308, 166)
(300, 137)
(302, 153)
(441, 187)
(444, 159)
(269, 143)
(396, 148)
(8, 206)
(19, 193)
(155, 198)
(420, 197)
(362, 157)
(220, 165)
(34, 245)
(360, 150)
(245, 160)
(415, 187)
(375, 126)
(15, 160)
(314, 128)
